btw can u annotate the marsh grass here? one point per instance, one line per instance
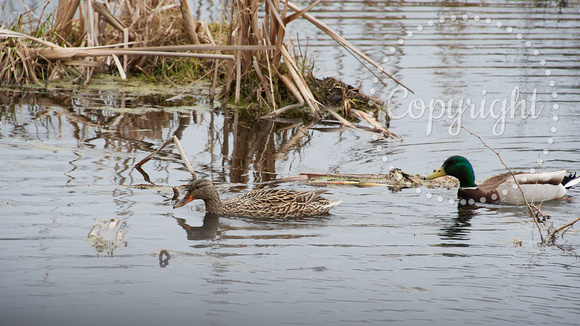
(247, 55)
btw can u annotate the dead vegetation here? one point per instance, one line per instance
(247, 56)
(395, 180)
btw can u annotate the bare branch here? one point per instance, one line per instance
(552, 236)
(514, 177)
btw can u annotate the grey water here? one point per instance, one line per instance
(506, 70)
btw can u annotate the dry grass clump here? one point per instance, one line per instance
(17, 67)
(88, 38)
(151, 23)
(250, 56)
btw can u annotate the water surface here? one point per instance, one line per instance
(409, 257)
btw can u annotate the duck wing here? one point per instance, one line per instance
(280, 196)
(279, 203)
(537, 187)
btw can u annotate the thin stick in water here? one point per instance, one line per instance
(514, 177)
(184, 157)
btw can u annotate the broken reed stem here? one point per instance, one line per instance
(107, 16)
(335, 36)
(69, 53)
(215, 63)
(125, 46)
(188, 22)
(271, 83)
(374, 123)
(8, 33)
(64, 16)
(238, 76)
(294, 91)
(264, 84)
(301, 83)
(515, 180)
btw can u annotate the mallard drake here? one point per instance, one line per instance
(272, 203)
(537, 187)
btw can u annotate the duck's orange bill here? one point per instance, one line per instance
(183, 201)
(437, 174)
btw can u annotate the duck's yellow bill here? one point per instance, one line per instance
(437, 174)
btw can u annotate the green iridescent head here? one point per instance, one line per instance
(458, 167)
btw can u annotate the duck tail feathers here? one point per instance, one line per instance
(334, 203)
(570, 180)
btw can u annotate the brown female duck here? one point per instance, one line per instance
(272, 203)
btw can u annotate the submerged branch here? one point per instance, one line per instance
(551, 238)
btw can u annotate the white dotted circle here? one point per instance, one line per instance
(519, 36)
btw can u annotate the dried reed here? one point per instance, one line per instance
(159, 37)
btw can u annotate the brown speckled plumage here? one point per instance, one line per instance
(272, 203)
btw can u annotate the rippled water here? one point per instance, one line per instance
(409, 257)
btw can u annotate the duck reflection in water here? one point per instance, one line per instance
(459, 227)
(207, 231)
